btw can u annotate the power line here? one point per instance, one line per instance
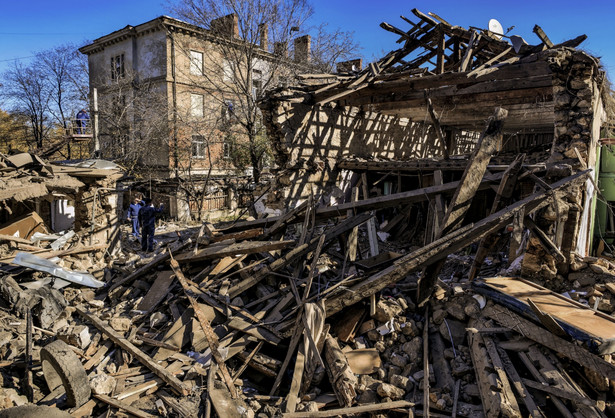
(46, 33)
(17, 59)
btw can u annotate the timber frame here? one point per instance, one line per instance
(419, 112)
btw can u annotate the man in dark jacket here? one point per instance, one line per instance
(133, 215)
(147, 218)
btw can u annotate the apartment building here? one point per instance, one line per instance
(171, 95)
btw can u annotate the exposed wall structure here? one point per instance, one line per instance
(390, 113)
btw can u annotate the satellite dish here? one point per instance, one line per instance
(496, 28)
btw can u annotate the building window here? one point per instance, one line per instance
(227, 69)
(199, 150)
(256, 88)
(196, 63)
(117, 67)
(226, 150)
(197, 105)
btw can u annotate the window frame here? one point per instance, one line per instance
(201, 105)
(226, 150)
(196, 64)
(117, 67)
(198, 139)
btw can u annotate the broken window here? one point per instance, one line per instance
(117, 67)
(197, 105)
(257, 85)
(199, 150)
(196, 63)
(226, 150)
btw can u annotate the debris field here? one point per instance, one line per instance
(454, 280)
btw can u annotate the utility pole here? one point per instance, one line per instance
(95, 126)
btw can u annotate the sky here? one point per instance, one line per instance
(26, 28)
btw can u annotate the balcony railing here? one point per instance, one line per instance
(78, 129)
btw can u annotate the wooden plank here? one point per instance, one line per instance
(491, 61)
(385, 406)
(502, 197)
(285, 219)
(488, 143)
(343, 381)
(441, 248)
(157, 292)
(564, 412)
(210, 336)
(123, 406)
(543, 36)
(437, 127)
(351, 245)
(297, 253)
(496, 395)
(238, 236)
(371, 223)
(426, 396)
(579, 321)
(560, 393)
(536, 333)
(146, 360)
(247, 247)
(467, 56)
(380, 202)
(160, 258)
(518, 384)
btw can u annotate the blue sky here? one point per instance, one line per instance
(42, 24)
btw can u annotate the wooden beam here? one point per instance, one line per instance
(146, 360)
(467, 56)
(543, 36)
(123, 406)
(536, 333)
(210, 336)
(355, 410)
(545, 241)
(438, 128)
(518, 385)
(446, 245)
(380, 202)
(502, 197)
(160, 258)
(488, 144)
(247, 247)
(296, 254)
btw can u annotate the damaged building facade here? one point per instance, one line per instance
(170, 101)
(413, 119)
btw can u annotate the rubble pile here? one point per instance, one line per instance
(461, 294)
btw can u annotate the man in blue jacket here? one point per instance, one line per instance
(147, 218)
(133, 215)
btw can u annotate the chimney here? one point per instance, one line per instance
(226, 26)
(280, 49)
(350, 66)
(263, 32)
(302, 49)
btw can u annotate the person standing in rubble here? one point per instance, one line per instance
(133, 215)
(82, 121)
(147, 218)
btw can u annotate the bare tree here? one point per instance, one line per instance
(134, 123)
(241, 66)
(28, 93)
(46, 91)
